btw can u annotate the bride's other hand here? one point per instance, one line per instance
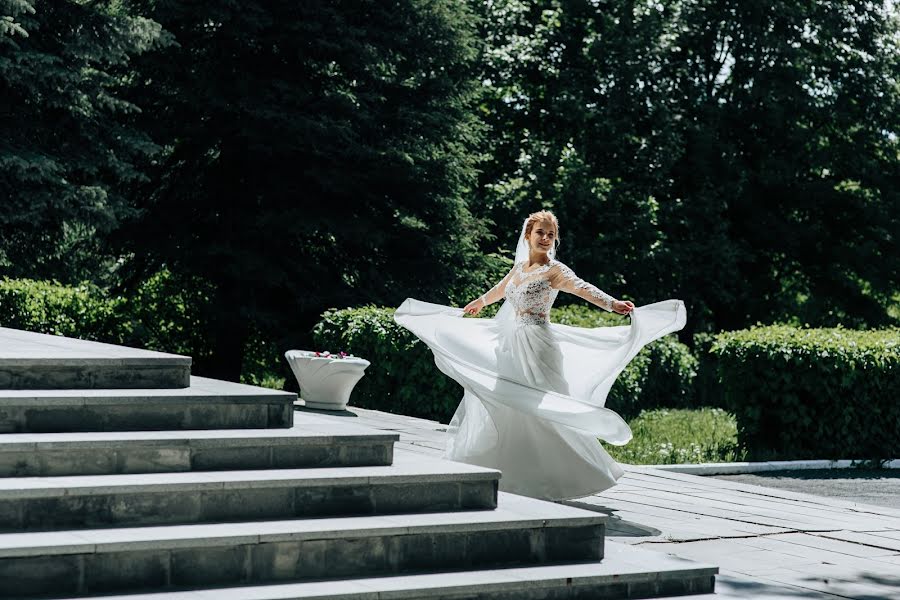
(623, 307)
(474, 307)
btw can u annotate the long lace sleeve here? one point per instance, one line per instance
(496, 293)
(563, 278)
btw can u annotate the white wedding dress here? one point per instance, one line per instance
(533, 405)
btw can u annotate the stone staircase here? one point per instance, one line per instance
(121, 474)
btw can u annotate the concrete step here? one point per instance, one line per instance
(107, 453)
(624, 572)
(520, 532)
(409, 485)
(38, 361)
(206, 404)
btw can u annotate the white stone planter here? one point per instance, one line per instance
(325, 382)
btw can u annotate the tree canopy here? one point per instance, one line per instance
(742, 156)
(68, 154)
(281, 158)
(318, 154)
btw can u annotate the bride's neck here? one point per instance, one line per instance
(537, 258)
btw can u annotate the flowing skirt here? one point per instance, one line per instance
(534, 395)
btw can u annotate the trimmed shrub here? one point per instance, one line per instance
(163, 314)
(403, 378)
(80, 311)
(813, 393)
(707, 389)
(167, 314)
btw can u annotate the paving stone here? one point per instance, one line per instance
(39, 361)
(170, 498)
(146, 557)
(205, 404)
(101, 573)
(866, 539)
(26, 455)
(614, 578)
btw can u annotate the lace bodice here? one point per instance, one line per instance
(532, 293)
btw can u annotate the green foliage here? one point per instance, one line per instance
(318, 154)
(663, 437)
(403, 378)
(168, 314)
(742, 156)
(165, 313)
(582, 315)
(73, 311)
(68, 152)
(813, 393)
(707, 390)
(162, 315)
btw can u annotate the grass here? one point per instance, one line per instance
(664, 436)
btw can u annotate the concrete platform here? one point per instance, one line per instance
(409, 485)
(107, 453)
(205, 404)
(521, 531)
(768, 543)
(624, 572)
(231, 508)
(39, 361)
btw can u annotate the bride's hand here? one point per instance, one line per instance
(474, 307)
(623, 307)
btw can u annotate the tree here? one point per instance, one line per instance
(318, 155)
(790, 129)
(742, 156)
(67, 150)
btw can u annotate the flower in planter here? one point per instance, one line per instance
(325, 384)
(327, 354)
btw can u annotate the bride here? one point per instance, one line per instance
(534, 392)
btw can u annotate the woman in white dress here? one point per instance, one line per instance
(534, 392)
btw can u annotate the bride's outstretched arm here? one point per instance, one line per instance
(492, 295)
(563, 278)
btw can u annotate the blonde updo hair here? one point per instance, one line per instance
(537, 217)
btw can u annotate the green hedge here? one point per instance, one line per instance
(403, 378)
(48, 307)
(707, 389)
(813, 393)
(162, 314)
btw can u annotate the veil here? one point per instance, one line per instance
(506, 312)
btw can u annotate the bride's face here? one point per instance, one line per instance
(542, 237)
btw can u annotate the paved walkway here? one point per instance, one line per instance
(768, 543)
(869, 486)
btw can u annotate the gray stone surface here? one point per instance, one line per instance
(865, 486)
(38, 361)
(769, 543)
(98, 561)
(101, 453)
(110, 533)
(625, 572)
(409, 485)
(201, 388)
(206, 404)
(18, 347)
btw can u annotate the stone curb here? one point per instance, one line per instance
(740, 468)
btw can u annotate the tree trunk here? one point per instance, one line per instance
(229, 332)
